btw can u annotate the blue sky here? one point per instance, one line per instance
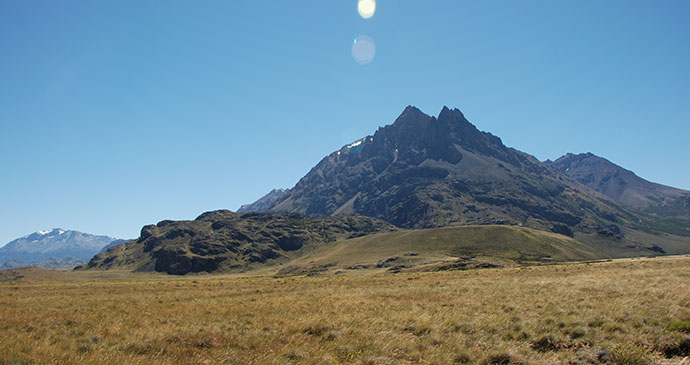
(118, 114)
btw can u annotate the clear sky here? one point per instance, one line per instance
(117, 114)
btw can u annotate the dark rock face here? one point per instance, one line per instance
(562, 229)
(226, 241)
(387, 262)
(611, 230)
(623, 185)
(657, 249)
(424, 171)
(177, 262)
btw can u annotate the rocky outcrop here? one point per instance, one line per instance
(223, 241)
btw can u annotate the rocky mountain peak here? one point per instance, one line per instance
(411, 110)
(416, 132)
(454, 113)
(410, 123)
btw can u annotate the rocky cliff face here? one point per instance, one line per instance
(623, 185)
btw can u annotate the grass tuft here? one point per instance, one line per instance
(501, 358)
(630, 354)
(547, 343)
(678, 325)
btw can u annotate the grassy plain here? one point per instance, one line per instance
(630, 311)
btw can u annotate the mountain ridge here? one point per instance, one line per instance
(624, 185)
(264, 203)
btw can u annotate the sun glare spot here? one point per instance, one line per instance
(366, 8)
(363, 49)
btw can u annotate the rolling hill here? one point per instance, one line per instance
(450, 248)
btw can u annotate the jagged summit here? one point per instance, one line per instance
(447, 112)
(415, 134)
(411, 109)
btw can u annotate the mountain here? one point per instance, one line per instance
(425, 172)
(223, 241)
(264, 203)
(50, 248)
(623, 185)
(66, 263)
(420, 174)
(113, 244)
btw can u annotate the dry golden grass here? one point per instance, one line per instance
(548, 314)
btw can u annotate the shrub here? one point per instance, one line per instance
(546, 343)
(463, 327)
(630, 354)
(675, 348)
(501, 358)
(463, 358)
(317, 330)
(417, 330)
(596, 322)
(578, 332)
(682, 326)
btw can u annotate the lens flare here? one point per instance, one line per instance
(363, 49)
(366, 8)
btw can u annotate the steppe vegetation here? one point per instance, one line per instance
(631, 311)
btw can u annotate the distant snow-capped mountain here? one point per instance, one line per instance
(52, 244)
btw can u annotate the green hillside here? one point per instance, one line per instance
(444, 248)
